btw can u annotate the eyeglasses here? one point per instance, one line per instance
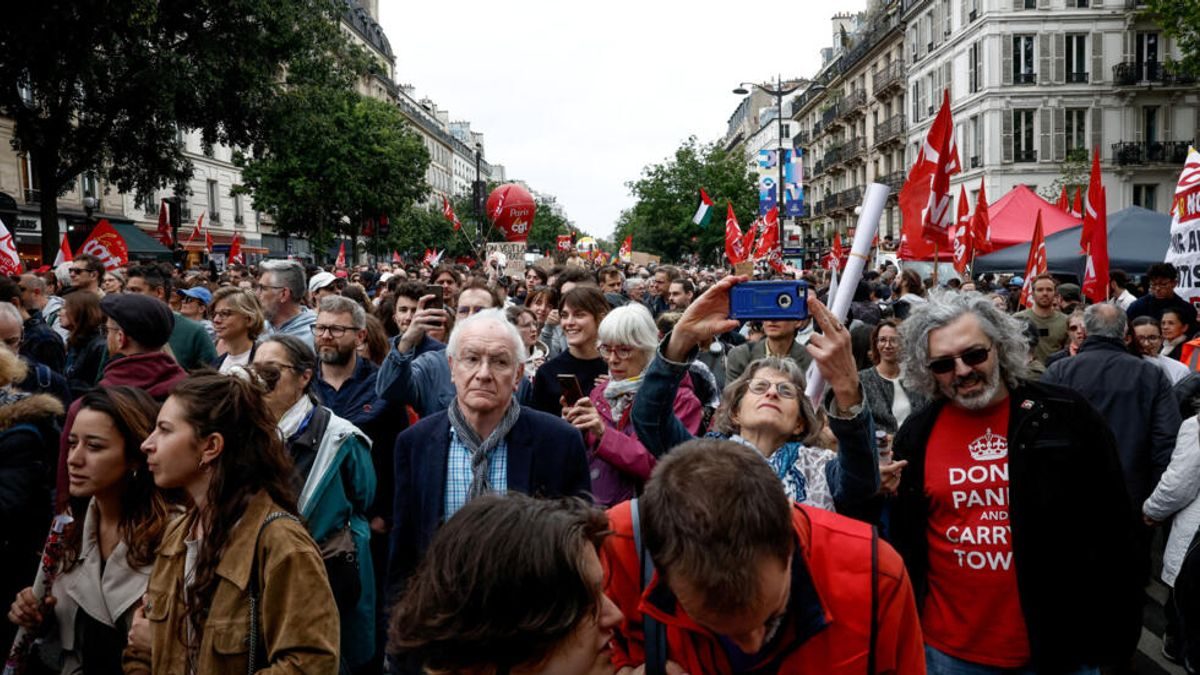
(888, 341)
(334, 330)
(621, 351)
(1149, 338)
(77, 270)
(786, 390)
(972, 357)
(224, 314)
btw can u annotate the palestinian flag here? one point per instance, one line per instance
(704, 211)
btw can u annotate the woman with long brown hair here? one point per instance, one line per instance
(120, 517)
(84, 321)
(238, 584)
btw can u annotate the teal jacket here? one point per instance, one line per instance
(190, 343)
(339, 490)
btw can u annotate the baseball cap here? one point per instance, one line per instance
(199, 293)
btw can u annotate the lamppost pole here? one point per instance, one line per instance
(478, 200)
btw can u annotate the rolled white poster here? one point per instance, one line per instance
(874, 200)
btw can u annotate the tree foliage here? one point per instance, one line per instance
(331, 156)
(107, 85)
(1075, 171)
(667, 196)
(1181, 21)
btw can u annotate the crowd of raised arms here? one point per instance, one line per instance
(282, 468)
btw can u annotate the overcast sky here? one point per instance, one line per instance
(575, 98)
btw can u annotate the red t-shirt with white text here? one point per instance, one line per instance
(972, 611)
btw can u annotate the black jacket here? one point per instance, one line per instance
(42, 344)
(1134, 397)
(1073, 529)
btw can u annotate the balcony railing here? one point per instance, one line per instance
(1133, 73)
(848, 199)
(894, 181)
(976, 161)
(1140, 152)
(816, 130)
(888, 78)
(33, 196)
(1077, 78)
(1024, 78)
(830, 114)
(852, 102)
(834, 155)
(818, 168)
(802, 138)
(1025, 155)
(854, 148)
(889, 130)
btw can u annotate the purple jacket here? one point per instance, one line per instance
(619, 463)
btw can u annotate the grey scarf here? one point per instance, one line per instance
(481, 450)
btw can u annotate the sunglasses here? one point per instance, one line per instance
(971, 357)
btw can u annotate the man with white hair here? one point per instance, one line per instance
(281, 290)
(1044, 581)
(484, 442)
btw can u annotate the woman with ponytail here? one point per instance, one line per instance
(119, 519)
(238, 586)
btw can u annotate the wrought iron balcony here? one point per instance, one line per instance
(889, 130)
(1024, 78)
(888, 80)
(854, 149)
(802, 138)
(1077, 78)
(1025, 155)
(853, 102)
(1135, 73)
(894, 181)
(976, 161)
(1158, 152)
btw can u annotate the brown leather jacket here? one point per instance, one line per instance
(299, 621)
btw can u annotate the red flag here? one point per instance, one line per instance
(768, 241)
(341, 256)
(196, 230)
(396, 257)
(1078, 210)
(925, 197)
(564, 242)
(835, 258)
(735, 245)
(64, 251)
(626, 248)
(981, 226)
(106, 244)
(1064, 202)
(1090, 215)
(1035, 264)
(208, 241)
(448, 212)
(10, 260)
(164, 225)
(235, 249)
(963, 243)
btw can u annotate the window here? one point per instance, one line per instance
(1150, 124)
(214, 202)
(1082, 4)
(1076, 57)
(916, 101)
(974, 11)
(1144, 195)
(976, 143)
(974, 66)
(1023, 137)
(946, 15)
(150, 205)
(1022, 65)
(238, 216)
(1030, 4)
(89, 184)
(1076, 129)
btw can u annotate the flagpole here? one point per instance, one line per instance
(936, 259)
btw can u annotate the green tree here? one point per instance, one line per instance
(107, 85)
(667, 195)
(332, 158)
(1181, 21)
(1075, 172)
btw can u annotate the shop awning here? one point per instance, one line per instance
(140, 244)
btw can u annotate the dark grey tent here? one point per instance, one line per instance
(1137, 238)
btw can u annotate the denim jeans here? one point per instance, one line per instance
(941, 663)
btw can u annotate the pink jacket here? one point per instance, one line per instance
(618, 461)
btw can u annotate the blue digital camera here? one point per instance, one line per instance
(769, 300)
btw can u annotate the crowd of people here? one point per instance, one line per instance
(406, 469)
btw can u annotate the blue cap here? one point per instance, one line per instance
(1016, 281)
(199, 293)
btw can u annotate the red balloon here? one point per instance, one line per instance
(511, 208)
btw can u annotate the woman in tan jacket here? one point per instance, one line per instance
(240, 537)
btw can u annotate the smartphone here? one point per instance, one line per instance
(437, 292)
(769, 300)
(572, 392)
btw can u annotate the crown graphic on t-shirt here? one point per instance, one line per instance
(989, 446)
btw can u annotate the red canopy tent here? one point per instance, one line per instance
(1012, 219)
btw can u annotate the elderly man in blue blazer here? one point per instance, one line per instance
(484, 442)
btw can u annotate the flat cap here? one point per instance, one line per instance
(146, 320)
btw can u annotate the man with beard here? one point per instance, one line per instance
(281, 290)
(1048, 580)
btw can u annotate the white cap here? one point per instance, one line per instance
(320, 280)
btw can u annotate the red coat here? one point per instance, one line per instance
(827, 629)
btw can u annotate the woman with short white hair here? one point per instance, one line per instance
(620, 464)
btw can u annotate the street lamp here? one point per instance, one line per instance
(779, 92)
(477, 192)
(89, 205)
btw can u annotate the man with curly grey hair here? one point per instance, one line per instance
(1012, 515)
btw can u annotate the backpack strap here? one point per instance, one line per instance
(253, 590)
(655, 634)
(874, 600)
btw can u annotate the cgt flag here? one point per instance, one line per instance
(106, 244)
(963, 244)
(1035, 264)
(10, 260)
(564, 242)
(925, 197)
(735, 247)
